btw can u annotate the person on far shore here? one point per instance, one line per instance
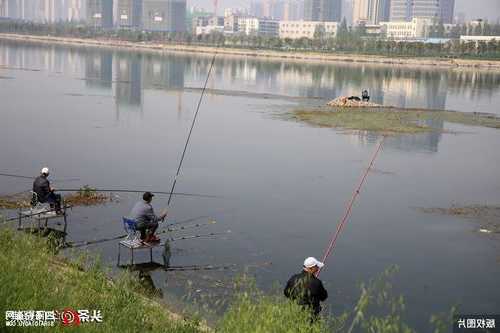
(147, 220)
(45, 193)
(365, 96)
(306, 289)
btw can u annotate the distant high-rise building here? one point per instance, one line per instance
(292, 10)
(73, 10)
(272, 9)
(164, 15)
(3, 8)
(129, 13)
(323, 10)
(406, 10)
(370, 11)
(255, 8)
(100, 13)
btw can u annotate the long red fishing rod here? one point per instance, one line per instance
(348, 210)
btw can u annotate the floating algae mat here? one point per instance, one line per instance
(388, 120)
(487, 216)
(86, 196)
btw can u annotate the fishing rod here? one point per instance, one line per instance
(32, 178)
(348, 210)
(103, 240)
(199, 267)
(191, 128)
(172, 239)
(119, 190)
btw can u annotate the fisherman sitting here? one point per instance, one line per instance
(147, 221)
(306, 289)
(45, 193)
(365, 96)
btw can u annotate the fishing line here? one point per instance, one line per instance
(348, 210)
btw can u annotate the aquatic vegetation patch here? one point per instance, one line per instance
(388, 120)
(85, 196)
(487, 216)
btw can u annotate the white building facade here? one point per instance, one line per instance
(306, 29)
(400, 30)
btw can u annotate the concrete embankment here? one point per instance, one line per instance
(267, 54)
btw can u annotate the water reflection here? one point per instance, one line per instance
(126, 75)
(99, 70)
(128, 82)
(403, 87)
(423, 142)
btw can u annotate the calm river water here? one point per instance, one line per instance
(118, 119)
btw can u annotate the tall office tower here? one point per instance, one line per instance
(323, 10)
(73, 10)
(13, 9)
(406, 10)
(129, 13)
(164, 15)
(255, 8)
(400, 10)
(370, 11)
(291, 10)
(3, 8)
(100, 13)
(272, 9)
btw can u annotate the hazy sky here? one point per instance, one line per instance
(489, 9)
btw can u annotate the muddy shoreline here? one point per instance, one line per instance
(264, 54)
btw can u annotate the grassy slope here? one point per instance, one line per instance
(32, 279)
(389, 120)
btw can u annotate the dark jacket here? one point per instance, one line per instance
(41, 186)
(307, 290)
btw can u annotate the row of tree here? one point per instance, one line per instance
(347, 40)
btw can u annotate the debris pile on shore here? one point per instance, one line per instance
(344, 101)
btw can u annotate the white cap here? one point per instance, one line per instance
(311, 262)
(45, 171)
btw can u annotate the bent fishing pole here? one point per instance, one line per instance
(348, 210)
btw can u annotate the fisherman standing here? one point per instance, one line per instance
(147, 221)
(45, 193)
(306, 289)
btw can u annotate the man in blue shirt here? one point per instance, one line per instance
(147, 220)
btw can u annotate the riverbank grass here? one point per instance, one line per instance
(388, 120)
(32, 278)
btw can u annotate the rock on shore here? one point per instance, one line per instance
(343, 101)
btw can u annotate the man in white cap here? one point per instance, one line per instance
(45, 193)
(306, 289)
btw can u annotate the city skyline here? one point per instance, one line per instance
(370, 11)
